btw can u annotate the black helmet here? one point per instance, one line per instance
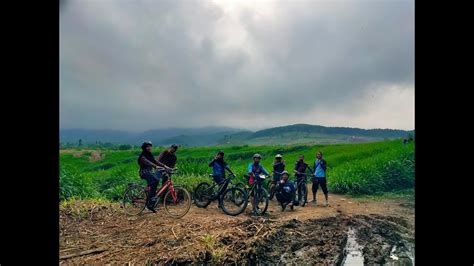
(256, 155)
(220, 153)
(146, 144)
(285, 173)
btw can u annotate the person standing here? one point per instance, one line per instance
(278, 168)
(254, 170)
(300, 169)
(319, 178)
(219, 166)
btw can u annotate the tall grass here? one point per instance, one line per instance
(368, 168)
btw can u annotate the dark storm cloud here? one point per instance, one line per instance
(149, 64)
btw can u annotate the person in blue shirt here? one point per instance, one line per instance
(219, 166)
(285, 191)
(256, 168)
(319, 178)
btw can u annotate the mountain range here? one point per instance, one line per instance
(209, 136)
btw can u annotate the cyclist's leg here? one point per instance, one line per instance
(305, 187)
(258, 193)
(298, 184)
(314, 188)
(293, 197)
(324, 187)
(152, 184)
(282, 200)
(219, 180)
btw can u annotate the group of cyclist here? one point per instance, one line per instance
(147, 163)
(285, 189)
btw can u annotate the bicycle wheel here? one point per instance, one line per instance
(271, 189)
(261, 201)
(178, 206)
(134, 199)
(233, 201)
(202, 197)
(241, 186)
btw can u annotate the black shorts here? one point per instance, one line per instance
(320, 181)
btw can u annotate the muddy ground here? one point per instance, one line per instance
(382, 230)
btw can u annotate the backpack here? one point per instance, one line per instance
(251, 179)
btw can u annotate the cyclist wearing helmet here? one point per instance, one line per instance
(256, 168)
(147, 163)
(167, 159)
(218, 167)
(301, 167)
(285, 191)
(278, 168)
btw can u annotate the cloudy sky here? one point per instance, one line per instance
(143, 64)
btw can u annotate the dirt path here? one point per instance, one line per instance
(313, 234)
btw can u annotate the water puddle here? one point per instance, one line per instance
(404, 255)
(392, 253)
(352, 251)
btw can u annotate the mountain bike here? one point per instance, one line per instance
(302, 185)
(176, 199)
(232, 200)
(258, 194)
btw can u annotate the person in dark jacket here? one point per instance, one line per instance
(278, 168)
(147, 164)
(285, 191)
(320, 177)
(167, 159)
(300, 168)
(219, 166)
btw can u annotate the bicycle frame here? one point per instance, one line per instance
(222, 187)
(167, 185)
(302, 181)
(254, 185)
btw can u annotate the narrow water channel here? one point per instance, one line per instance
(352, 251)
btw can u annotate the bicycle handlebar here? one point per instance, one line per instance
(169, 170)
(296, 172)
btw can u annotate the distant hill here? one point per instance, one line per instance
(90, 136)
(305, 128)
(209, 136)
(203, 136)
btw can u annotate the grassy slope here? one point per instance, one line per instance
(297, 138)
(367, 168)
